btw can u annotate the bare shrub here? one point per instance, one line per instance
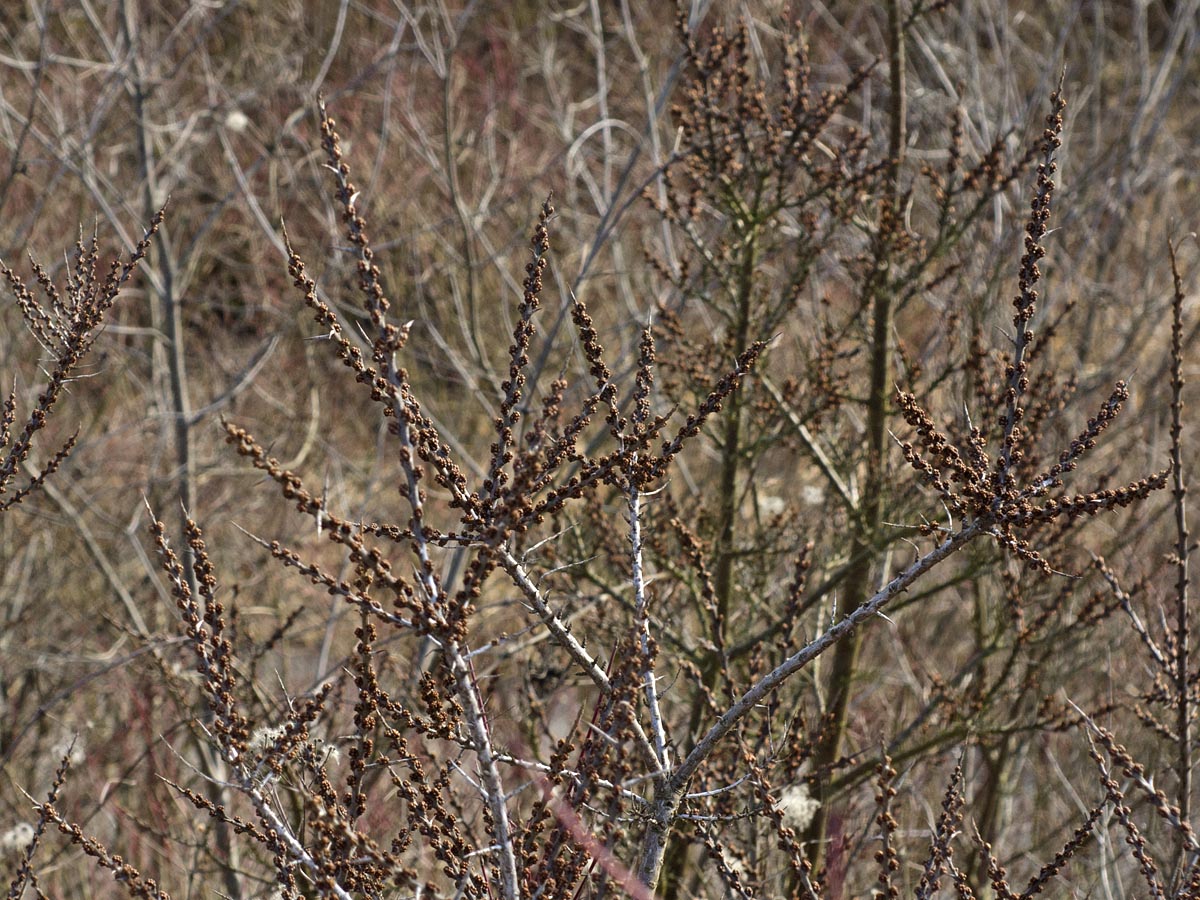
(763, 538)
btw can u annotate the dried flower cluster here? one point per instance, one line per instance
(986, 491)
(66, 326)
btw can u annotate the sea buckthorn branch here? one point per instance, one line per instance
(388, 341)
(670, 794)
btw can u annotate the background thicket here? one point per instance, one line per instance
(819, 289)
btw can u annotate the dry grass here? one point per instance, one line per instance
(734, 454)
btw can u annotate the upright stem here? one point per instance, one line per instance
(172, 320)
(723, 580)
(1182, 660)
(731, 453)
(864, 541)
(997, 765)
(463, 214)
(169, 320)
